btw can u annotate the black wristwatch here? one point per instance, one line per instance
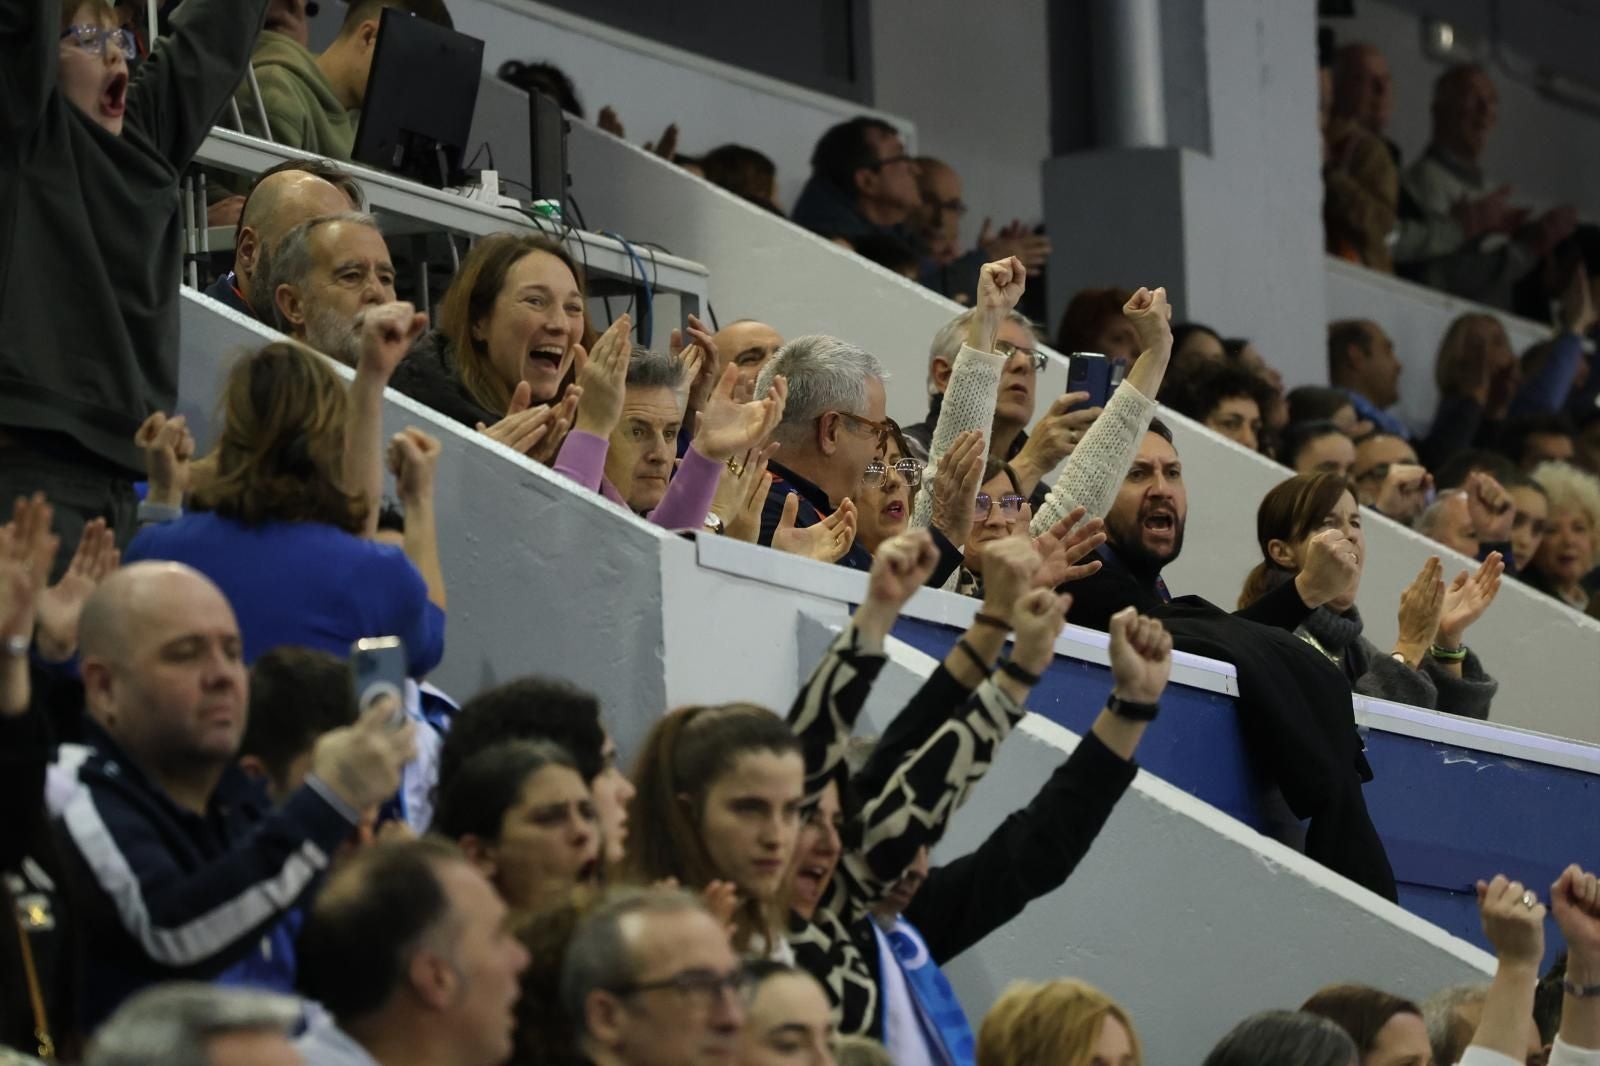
(1133, 712)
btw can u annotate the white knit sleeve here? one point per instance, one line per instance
(968, 404)
(1098, 464)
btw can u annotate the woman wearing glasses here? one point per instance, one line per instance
(887, 487)
(999, 508)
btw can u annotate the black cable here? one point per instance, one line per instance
(576, 210)
(484, 147)
(711, 312)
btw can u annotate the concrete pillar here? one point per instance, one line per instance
(1129, 106)
(1230, 223)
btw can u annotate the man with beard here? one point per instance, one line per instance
(1144, 533)
(320, 277)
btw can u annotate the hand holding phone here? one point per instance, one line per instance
(1094, 374)
(378, 665)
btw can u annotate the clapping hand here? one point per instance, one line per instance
(1331, 571)
(386, 333)
(1151, 316)
(1468, 596)
(826, 541)
(742, 493)
(27, 551)
(1063, 547)
(536, 432)
(61, 605)
(956, 484)
(1017, 242)
(1420, 605)
(1141, 657)
(168, 447)
(700, 361)
(603, 376)
(726, 427)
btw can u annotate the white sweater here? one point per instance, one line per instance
(1096, 467)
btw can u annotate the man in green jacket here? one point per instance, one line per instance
(313, 102)
(91, 242)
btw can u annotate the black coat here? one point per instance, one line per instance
(1294, 707)
(429, 375)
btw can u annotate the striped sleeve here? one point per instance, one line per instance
(825, 711)
(200, 920)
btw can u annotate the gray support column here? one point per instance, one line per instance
(1129, 104)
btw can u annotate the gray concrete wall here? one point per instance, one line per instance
(1541, 651)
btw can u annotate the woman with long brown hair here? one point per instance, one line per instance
(281, 532)
(507, 349)
(1428, 666)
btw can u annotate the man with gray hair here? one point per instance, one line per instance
(1452, 1015)
(320, 277)
(649, 979)
(191, 1024)
(1056, 435)
(833, 426)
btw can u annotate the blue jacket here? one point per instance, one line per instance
(304, 583)
(169, 894)
(224, 292)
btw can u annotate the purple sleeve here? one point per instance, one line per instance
(583, 459)
(688, 498)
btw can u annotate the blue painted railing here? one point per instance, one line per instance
(1448, 815)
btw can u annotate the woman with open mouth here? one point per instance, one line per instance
(523, 814)
(884, 503)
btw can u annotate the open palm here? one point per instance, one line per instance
(728, 427)
(1469, 596)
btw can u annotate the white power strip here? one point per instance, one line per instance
(487, 191)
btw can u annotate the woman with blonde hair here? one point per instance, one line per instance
(1567, 557)
(281, 528)
(512, 333)
(1062, 1022)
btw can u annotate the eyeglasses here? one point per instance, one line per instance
(883, 429)
(96, 39)
(1010, 506)
(705, 987)
(1035, 356)
(956, 207)
(891, 161)
(877, 472)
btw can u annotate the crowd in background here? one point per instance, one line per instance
(225, 842)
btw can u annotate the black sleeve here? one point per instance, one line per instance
(25, 747)
(184, 85)
(1455, 427)
(27, 62)
(1282, 608)
(1033, 852)
(917, 721)
(949, 560)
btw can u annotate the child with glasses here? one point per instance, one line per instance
(94, 243)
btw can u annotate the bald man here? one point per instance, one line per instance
(279, 200)
(187, 868)
(747, 344)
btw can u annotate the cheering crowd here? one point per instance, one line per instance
(220, 848)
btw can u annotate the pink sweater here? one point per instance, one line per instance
(688, 498)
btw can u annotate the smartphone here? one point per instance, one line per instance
(1095, 374)
(378, 665)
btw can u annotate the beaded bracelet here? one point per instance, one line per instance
(1448, 655)
(1579, 991)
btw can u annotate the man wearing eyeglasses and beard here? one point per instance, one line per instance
(649, 979)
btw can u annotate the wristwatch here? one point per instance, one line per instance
(1133, 712)
(715, 525)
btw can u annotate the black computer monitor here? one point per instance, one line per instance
(417, 115)
(547, 141)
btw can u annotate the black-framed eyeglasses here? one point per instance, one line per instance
(96, 39)
(1035, 356)
(706, 987)
(877, 472)
(892, 160)
(1010, 506)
